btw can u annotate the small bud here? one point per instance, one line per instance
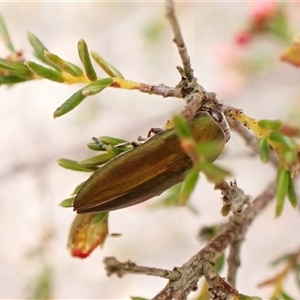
(86, 234)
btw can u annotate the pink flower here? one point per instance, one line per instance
(263, 11)
(243, 38)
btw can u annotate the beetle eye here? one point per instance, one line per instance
(220, 120)
(217, 116)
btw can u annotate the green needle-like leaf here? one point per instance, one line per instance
(62, 64)
(106, 66)
(291, 193)
(287, 142)
(73, 165)
(114, 150)
(67, 202)
(209, 149)
(39, 49)
(290, 156)
(11, 80)
(188, 186)
(270, 124)
(281, 259)
(108, 140)
(69, 104)
(14, 68)
(44, 72)
(181, 127)
(264, 150)
(5, 36)
(86, 61)
(78, 187)
(212, 172)
(97, 160)
(282, 188)
(285, 296)
(97, 86)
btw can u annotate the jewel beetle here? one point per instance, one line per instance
(150, 168)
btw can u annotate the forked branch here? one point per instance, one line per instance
(184, 279)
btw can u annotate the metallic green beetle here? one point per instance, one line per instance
(149, 169)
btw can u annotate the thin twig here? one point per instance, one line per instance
(234, 261)
(178, 40)
(160, 89)
(249, 138)
(113, 266)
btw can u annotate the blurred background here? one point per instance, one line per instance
(135, 37)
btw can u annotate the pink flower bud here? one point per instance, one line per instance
(243, 38)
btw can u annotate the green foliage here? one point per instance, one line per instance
(78, 187)
(39, 50)
(285, 296)
(106, 66)
(287, 151)
(282, 187)
(63, 65)
(86, 60)
(5, 36)
(285, 187)
(264, 150)
(15, 68)
(270, 124)
(108, 140)
(44, 72)
(42, 285)
(291, 194)
(97, 86)
(69, 104)
(188, 186)
(74, 165)
(280, 27)
(67, 202)
(97, 160)
(110, 147)
(212, 172)
(181, 127)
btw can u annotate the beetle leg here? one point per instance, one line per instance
(155, 130)
(135, 144)
(141, 139)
